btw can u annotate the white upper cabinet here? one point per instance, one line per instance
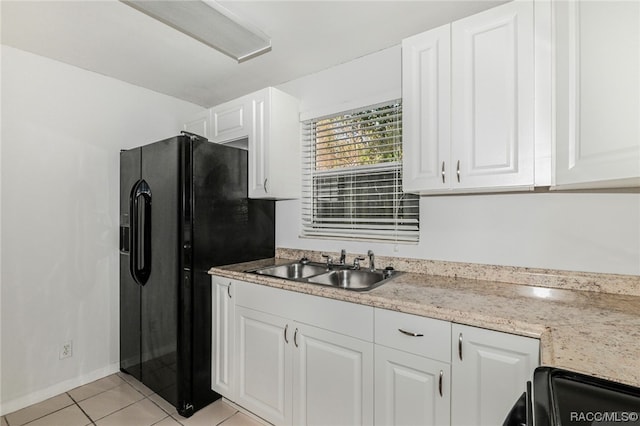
(492, 139)
(267, 124)
(597, 73)
(274, 145)
(426, 104)
(468, 93)
(200, 125)
(230, 121)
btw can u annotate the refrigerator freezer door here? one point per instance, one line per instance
(129, 288)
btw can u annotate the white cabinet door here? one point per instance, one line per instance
(332, 379)
(267, 124)
(469, 105)
(492, 128)
(259, 166)
(411, 389)
(274, 145)
(264, 364)
(199, 125)
(489, 372)
(597, 93)
(230, 121)
(426, 105)
(222, 357)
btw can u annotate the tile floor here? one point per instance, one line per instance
(120, 400)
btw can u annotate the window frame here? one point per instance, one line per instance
(397, 216)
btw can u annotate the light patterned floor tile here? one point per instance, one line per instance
(211, 415)
(240, 419)
(142, 413)
(110, 401)
(167, 421)
(70, 416)
(91, 389)
(41, 409)
(136, 384)
(168, 408)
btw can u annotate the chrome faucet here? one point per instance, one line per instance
(329, 260)
(356, 263)
(343, 257)
(372, 261)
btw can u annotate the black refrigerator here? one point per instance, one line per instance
(183, 209)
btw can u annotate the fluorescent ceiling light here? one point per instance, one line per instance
(208, 22)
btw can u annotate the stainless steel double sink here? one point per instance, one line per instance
(338, 276)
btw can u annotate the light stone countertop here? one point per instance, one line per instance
(590, 332)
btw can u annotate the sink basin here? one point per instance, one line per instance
(317, 273)
(350, 279)
(293, 271)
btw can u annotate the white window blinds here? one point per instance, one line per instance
(352, 177)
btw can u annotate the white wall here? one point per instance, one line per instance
(595, 232)
(62, 129)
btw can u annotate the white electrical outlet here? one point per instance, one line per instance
(66, 350)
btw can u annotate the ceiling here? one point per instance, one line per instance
(113, 39)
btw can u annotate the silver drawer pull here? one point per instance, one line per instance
(408, 333)
(286, 327)
(440, 382)
(460, 346)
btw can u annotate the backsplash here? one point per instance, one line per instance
(568, 280)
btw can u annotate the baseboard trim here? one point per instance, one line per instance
(51, 391)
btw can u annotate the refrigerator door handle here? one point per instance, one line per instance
(140, 259)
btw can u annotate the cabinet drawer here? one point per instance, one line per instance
(346, 318)
(414, 334)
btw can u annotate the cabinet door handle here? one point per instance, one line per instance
(295, 337)
(443, 172)
(460, 346)
(229, 289)
(440, 382)
(265, 185)
(286, 327)
(458, 171)
(409, 333)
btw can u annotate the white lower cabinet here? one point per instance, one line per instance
(290, 372)
(411, 389)
(413, 371)
(222, 356)
(264, 364)
(489, 373)
(297, 359)
(332, 379)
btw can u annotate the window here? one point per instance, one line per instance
(352, 177)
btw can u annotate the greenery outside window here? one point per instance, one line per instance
(352, 177)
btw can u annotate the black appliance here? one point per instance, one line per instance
(562, 397)
(183, 209)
